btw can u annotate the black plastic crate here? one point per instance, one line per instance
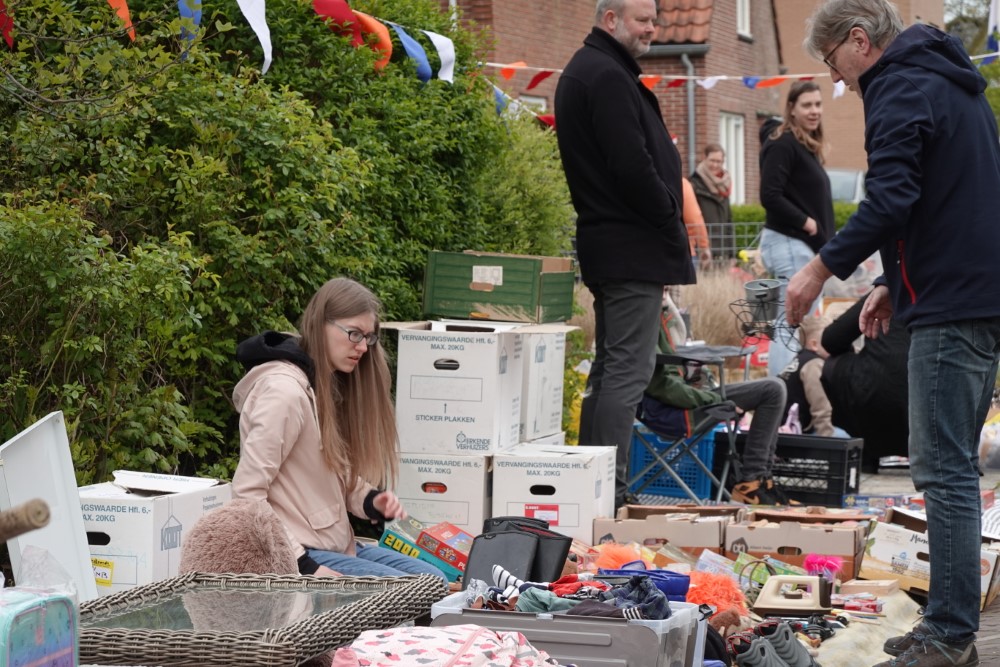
(811, 469)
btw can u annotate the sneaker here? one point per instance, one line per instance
(788, 648)
(754, 492)
(896, 645)
(925, 651)
(749, 650)
(779, 492)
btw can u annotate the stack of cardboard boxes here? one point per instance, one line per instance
(479, 398)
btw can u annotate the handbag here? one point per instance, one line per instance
(513, 550)
(553, 548)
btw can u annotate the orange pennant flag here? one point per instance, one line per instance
(382, 43)
(121, 9)
(508, 71)
(650, 81)
(774, 81)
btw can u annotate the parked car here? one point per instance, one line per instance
(847, 185)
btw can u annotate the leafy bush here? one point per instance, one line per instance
(199, 202)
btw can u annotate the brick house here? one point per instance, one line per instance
(698, 38)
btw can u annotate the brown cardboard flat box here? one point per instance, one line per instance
(818, 515)
(791, 542)
(688, 531)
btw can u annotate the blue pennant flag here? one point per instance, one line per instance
(751, 81)
(189, 9)
(993, 29)
(415, 51)
(500, 98)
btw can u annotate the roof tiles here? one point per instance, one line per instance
(684, 21)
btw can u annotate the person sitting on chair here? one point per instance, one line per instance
(766, 398)
(802, 381)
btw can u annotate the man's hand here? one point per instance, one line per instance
(876, 313)
(388, 504)
(324, 571)
(810, 227)
(803, 289)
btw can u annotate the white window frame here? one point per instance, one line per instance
(732, 133)
(536, 102)
(743, 18)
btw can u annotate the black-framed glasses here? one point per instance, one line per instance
(355, 336)
(826, 58)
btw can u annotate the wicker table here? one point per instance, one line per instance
(218, 620)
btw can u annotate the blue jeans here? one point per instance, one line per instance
(783, 256)
(373, 562)
(952, 369)
(627, 326)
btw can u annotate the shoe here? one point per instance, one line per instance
(925, 651)
(788, 648)
(754, 492)
(897, 645)
(779, 492)
(749, 650)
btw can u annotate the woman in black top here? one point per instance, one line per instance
(795, 192)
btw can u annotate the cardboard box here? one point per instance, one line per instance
(567, 486)
(447, 487)
(401, 536)
(898, 549)
(827, 515)
(882, 588)
(557, 439)
(136, 524)
(690, 531)
(492, 286)
(880, 502)
(449, 543)
(791, 542)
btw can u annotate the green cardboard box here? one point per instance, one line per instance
(491, 286)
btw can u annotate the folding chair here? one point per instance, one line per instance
(669, 424)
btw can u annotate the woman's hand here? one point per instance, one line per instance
(388, 504)
(810, 227)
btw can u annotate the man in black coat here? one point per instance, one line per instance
(624, 175)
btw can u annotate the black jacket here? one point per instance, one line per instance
(933, 183)
(794, 186)
(274, 346)
(623, 170)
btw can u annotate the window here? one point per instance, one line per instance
(731, 138)
(743, 18)
(539, 104)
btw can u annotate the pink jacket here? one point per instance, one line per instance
(281, 460)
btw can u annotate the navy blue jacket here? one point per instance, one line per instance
(623, 170)
(933, 183)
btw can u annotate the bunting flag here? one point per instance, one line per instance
(751, 81)
(414, 51)
(382, 43)
(708, 83)
(342, 19)
(446, 54)
(538, 78)
(508, 71)
(771, 82)
(6, 25)
(499, 99)
(676, 83)
(254, 12)
(189, 9)
(992, 33)
(649, 80)
(839, 89)
(121, 9)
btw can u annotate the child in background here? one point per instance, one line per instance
(802, 379)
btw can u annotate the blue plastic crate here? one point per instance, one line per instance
(685, 467)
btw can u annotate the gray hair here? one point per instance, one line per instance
(617, 6)
(834, 19)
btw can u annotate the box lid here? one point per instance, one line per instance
(156, 483)
(36, 463)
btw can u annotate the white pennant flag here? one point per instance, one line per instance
(446, 52)
(838, 89)
(709, 82)
(253, 10)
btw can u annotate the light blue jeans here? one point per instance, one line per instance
(783, 256)
(373, 562)
(952, 369)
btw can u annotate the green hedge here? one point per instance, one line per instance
(160, 205)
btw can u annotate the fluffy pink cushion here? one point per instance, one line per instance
(244, 536)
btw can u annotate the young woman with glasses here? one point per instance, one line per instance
(318, 436)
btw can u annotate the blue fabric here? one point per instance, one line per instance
(373, 562)
(783, 256)
(415, 51)
(933, 183)
(952, 370)
(189, 9)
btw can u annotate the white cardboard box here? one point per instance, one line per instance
(136, 524)
(567, 486)
(558, 439)
(446, 487)
(542, 383)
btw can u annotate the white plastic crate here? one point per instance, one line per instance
(589, 641)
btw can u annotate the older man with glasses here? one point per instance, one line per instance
(933, 187)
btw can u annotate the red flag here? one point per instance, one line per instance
(121, 9)
(676, 83)
(342, 19)
(6, 25)
(538, 78)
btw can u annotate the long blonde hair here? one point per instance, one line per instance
(356, 420)
(812, 140)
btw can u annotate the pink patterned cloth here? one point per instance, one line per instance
(451, 646)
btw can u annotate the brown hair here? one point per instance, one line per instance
(356, 420)
(812, 140)
(713, 148)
